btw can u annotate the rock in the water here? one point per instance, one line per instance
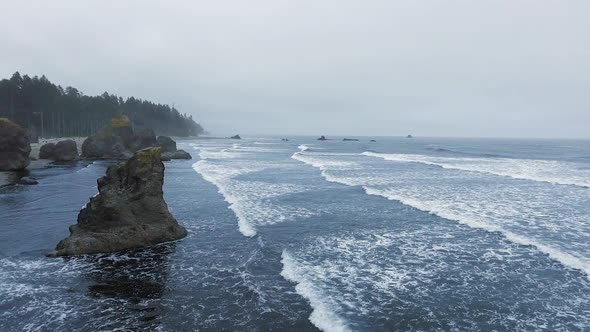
(142, 138)
(104, 145)
(350, 139)
(409, 136)
(236, 137)
(322, 138)
(372, 141)
(128, 212)
(178, 154)
(66, 150)
(15, 146)
(28, 181)
(47, 151)
(114, 141)
(166, 143)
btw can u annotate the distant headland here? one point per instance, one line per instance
(45, 109)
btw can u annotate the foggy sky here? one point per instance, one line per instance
(334, 67)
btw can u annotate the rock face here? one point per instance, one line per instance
(128, 212)
(47, 151)
(15, 146)
(142, 138)
(166, 143)
(62, 151)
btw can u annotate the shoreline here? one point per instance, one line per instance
(8, 178)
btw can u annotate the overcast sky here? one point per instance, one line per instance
(335, 67)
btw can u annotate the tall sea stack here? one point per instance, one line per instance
(128, 212)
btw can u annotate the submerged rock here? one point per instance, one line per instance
(15, 146)
(27, 181)
(128, 212)
(372, 141)
(66, 150)
(350, 139)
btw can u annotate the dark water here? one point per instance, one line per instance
(401, 234)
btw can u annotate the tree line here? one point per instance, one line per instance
(49, 110)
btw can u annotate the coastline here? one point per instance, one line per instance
(8, 178)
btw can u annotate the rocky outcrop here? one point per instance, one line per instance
(409, 136)
(236, 137)
(117, 140)
(178, 154)
(15, 146)
(62, 151)
(166, 143)
(322, 138)
(129, 210)
(169, 151)
(142, 138)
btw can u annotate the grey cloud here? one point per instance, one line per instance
(437, 68)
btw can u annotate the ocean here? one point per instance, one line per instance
(420, 234)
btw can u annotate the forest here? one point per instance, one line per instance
(48, 110)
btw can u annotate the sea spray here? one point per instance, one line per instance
(551, 171)
(323, 315)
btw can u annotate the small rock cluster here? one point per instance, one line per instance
(61, 151)
(169, 150)
(120, 141)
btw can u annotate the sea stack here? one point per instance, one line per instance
(15, 146)
(128, 212)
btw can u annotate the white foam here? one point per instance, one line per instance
(303, 148)
(552, 171)
(251, 201)
(220, 178)
(326, 165)
(523, 216)
(564, 258)
(216, 153)
(323, 315)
